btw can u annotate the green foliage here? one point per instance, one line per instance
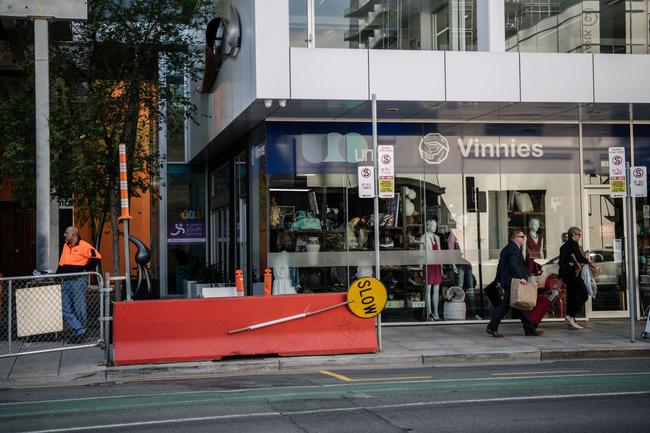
(104, 90)
(17, 140)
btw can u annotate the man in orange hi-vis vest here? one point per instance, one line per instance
(77, 256)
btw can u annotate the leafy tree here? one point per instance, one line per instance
(104, 90)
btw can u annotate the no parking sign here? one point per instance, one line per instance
(639, 181)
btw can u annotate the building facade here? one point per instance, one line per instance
(499, 113)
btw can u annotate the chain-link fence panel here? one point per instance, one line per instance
(46, 312)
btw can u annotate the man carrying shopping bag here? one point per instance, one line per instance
(511, 266)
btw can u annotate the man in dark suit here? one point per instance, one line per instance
(511, 265)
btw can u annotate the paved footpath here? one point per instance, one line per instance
(403, 346)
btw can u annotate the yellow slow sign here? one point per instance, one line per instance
(366, 297)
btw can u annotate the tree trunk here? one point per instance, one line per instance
(115, 211)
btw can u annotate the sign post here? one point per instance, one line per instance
(627, 182)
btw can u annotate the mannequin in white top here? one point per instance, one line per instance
(281, 278)
(431, 243)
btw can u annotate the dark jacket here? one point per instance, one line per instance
(567, 265)
(511, 265)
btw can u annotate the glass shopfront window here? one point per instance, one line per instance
(186, 227)
(322, 235)
(596, 141)
(386, 24)
(583, 26)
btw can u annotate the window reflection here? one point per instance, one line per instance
(587, 26)
(387, 24)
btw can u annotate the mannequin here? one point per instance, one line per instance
(534, 245)
(281, 278)
(431, 243)
(533, 248)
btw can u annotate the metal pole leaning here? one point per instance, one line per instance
(376, 208)
(125, 217)
(9, 315)
(108, 319)
(629, 259)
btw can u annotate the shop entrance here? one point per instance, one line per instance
(603, 237)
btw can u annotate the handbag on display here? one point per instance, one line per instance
(523, 202)
(522, 296)
(305, 221)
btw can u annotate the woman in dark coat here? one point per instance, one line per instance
(571, 261)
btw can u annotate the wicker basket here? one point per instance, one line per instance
(454, 310)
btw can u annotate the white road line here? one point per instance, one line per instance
(350, 409)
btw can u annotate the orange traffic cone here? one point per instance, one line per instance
(268, 282)
(239, 282)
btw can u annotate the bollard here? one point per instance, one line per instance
(268, 282)
(239, 282)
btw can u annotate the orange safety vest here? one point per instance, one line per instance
(78, 256)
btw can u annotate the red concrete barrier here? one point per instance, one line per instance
(197, 329)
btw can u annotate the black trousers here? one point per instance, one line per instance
(576, 294)
(501, 310)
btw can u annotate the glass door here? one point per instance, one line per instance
(603, 237)
(241, 217)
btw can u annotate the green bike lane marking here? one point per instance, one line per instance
(439, 388)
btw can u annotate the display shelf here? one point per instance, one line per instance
(415, 304)
(394, 304)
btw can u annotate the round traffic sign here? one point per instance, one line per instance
(366, 297)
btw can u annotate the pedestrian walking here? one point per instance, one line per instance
(511, 265)
(571, 261)
(77, 256)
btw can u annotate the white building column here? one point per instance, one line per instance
(490, 23)
(42, 96)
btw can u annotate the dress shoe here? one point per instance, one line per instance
(493, 333)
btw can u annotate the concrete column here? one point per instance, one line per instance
(490, 22)
(42, 97)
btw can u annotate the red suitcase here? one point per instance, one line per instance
(540, 309)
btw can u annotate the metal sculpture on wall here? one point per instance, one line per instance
(142, 258)
(222, 39)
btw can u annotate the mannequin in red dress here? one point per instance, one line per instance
(534, 240)
(431, 242)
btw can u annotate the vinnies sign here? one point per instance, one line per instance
(339, 148)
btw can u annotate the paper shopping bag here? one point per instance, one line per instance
(522, 296)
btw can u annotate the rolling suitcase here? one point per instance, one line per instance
(540, 309)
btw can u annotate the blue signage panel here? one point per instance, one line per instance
(423, 147)
(642, 145)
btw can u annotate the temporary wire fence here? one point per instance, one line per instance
(44, 313)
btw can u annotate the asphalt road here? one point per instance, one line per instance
(570, 396)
